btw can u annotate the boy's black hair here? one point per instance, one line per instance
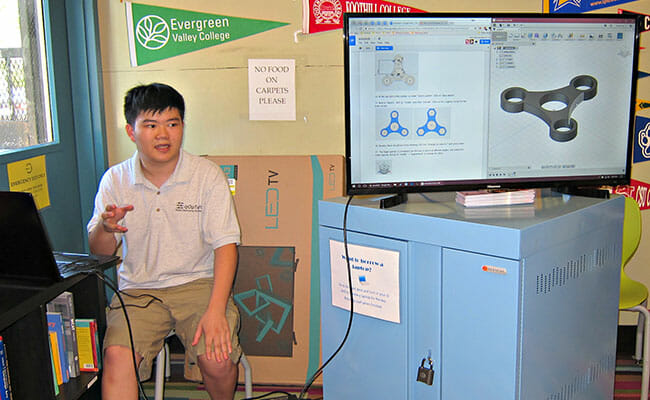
(155, 97)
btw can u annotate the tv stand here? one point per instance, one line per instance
(583, 191)
(506, 301)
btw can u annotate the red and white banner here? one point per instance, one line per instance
(327, 15)
(639, 191)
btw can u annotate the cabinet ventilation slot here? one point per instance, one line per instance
(583, 382)
(576, 268)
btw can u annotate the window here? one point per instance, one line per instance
(25, 118)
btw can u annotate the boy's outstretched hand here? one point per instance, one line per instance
(113, 215)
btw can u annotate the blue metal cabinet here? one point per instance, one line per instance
(508, 302)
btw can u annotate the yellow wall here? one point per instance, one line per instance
(214, 82)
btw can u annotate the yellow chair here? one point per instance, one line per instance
(634, 295)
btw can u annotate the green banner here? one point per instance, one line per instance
(156, 33)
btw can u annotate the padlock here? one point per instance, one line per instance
(425, 375)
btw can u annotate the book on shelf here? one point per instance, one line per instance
(94, 336)
(97, 345)
(490, 197)
(86, 344)
(54, 346)
(55, 324)
(5, 382)
(54, 376)
(64, 304)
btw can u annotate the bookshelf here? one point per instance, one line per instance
(23, 326)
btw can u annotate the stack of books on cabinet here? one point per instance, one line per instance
(74, 342)
(488, 197)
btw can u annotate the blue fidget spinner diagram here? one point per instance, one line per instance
(394, 126)
(431, 125)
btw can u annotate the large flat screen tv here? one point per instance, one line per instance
(465, 101)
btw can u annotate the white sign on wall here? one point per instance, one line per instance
(271, 90)
(375, 280)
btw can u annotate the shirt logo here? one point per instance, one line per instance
(182, 207)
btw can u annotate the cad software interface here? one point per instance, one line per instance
(435, 100)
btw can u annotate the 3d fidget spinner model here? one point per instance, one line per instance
(394, 126)
(562, 127)
(431, 125)
(398, 73)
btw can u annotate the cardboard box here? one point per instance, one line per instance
(277, 204)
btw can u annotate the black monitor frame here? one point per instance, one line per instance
(557, 182)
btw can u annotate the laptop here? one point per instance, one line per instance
(26, 255)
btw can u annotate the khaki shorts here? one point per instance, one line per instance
(152, 318)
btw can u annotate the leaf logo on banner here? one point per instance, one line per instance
(152, 32)
(156, 33)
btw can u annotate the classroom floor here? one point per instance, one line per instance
(627, 385)
(177, 388)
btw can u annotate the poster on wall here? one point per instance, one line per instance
(272, 90)
(641, 104)
(156, 33)
(637, 190)
(578, 6)
(327, 15)
(641, 139)
(375, 280)
(30, 176)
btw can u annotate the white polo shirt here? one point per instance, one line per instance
(172, 230)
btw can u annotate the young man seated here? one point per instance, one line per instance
(174, 216)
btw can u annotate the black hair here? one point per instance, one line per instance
(155, 97)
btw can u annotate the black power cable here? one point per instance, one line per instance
(111, 284)
(347, 332)
(289, 396)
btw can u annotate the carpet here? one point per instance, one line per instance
(627, 381)
(627, 386)
(195, 391)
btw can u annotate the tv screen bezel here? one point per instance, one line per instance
(553, 182)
